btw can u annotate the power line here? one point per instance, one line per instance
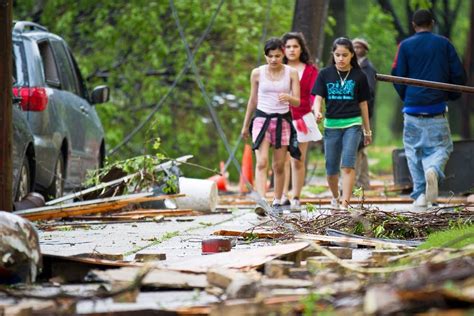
(173, 85)
(255, 195)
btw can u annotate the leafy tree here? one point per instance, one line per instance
(135, 48)
(451, 18)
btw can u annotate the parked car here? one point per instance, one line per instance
(68, 134)
(23, 157)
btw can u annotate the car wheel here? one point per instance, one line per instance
(24, 183)
(56, 188)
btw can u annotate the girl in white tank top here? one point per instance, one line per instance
(269, 90)
(274, 88)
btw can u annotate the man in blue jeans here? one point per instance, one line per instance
(426, 134)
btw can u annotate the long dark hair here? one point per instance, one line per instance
(305, 56)
(347, 43)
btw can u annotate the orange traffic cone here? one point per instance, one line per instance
(246, 174)
(220, 179)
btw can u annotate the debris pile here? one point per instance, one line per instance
(112, 250)
(373, 222)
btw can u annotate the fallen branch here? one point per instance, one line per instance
(125, 179)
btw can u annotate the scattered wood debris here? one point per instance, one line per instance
(375, 222)
(91, 206)
(310, 266)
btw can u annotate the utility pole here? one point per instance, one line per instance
(6, 126)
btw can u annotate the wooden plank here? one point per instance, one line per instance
(322, 239)
(149, 256)
(102, 256)
(164, 212)
(91, 261)
(338, 233)
(74, 269)
(88, 222)
(425, 83)
(243, 259)
(383, 200)
(247, 234)
(159, 278)
(367, 200)
(90, 207)
(108, 218)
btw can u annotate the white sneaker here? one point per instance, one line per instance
(431, 186)
(295, 204)
(420, 201)
(335, 203)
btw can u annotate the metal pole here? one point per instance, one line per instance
(425, 83)
(6, 177)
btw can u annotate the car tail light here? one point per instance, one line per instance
(32, 99)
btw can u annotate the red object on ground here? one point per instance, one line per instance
(220, 179)
(215, 245)
(247, 169)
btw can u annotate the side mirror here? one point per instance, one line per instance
(100, 94)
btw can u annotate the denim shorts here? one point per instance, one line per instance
(341, 143)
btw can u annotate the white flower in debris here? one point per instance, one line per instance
(20, 256)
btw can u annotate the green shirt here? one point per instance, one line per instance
(342, 122)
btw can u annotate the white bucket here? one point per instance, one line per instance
(201, 195)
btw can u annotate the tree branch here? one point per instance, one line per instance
(387, 7)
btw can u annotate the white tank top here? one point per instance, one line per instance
(268, 91)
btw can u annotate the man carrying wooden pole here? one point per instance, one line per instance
(6, 177)
(426, 133)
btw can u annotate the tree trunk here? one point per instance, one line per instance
(6, 125)
(337, 10)
(309, 18)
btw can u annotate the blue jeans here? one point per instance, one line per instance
(341, 142)
(427, 144)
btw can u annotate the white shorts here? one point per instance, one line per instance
(312, 134)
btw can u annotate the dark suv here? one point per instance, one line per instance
(68, 134)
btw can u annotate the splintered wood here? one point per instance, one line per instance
(91, 206)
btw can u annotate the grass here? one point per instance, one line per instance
(449, 238)
(315, 189)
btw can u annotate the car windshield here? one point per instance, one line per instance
(18, 70)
